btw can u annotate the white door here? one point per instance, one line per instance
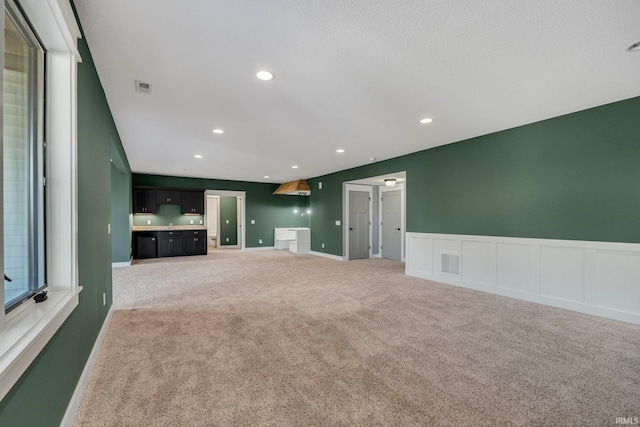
(359, 224)
(392, 225)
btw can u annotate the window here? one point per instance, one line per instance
(22, 159)
(34, 113)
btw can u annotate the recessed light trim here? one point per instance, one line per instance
(634, 47)
(198, 156)
(339, 150)
(218, 131)
(426, 120)
(294, 167)
(265, 75)
(266, 177)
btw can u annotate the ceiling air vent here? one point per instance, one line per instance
(143, 87)
(450, 263)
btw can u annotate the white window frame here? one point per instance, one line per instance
(26, 330)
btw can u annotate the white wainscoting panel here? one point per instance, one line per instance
(479, 262)
(614, 289)
(422, 248)
(598, 278)
(562, 273)
(515, 267)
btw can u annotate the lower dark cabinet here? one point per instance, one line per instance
(195, 242)
(170, 244)
(159, 244)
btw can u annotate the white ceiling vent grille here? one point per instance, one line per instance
(143, 87)
(450, 263)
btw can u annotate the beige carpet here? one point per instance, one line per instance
(274, 339)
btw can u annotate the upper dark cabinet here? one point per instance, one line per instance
(192, 202)
(168, 197)
(144, 200)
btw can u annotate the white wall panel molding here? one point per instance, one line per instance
(598, 278)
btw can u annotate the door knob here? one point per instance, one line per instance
(398, 229)
(350, 229)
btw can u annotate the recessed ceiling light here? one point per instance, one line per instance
(634, 47)
(294, 167)
(218, 131)
(266, 177)
(198, 156)
(340, 150)
(426, 120)
(265, 75)
(372, 159)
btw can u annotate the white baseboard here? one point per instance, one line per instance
(376, 256)
(121, 264)
(597, 278)
(259, 248)
(322, 254)
(76, 399)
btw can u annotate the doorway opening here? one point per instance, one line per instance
(383, 232)
(225, 218)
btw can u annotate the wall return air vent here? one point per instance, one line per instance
(143, 87)
(450, 263)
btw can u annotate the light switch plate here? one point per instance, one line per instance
(148, 222)
(253, 221)
(227, 221)
(320, 185)
(338, 222)
(190, 221)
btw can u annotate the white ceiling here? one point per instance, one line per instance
(355, 74)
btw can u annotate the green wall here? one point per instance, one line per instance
(41, 396)
(574, 177)
(228, 212)
(167, 214)
(267, 210)
(121, 205)
(120, 216)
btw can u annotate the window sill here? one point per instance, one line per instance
(29, 331)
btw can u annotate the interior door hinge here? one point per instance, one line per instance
(44, 181)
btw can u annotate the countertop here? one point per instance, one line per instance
(166, 227)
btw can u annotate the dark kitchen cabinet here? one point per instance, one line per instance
(170, 243)
(168, 197)
(195, 242)
(192, 202)
(144, 200)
